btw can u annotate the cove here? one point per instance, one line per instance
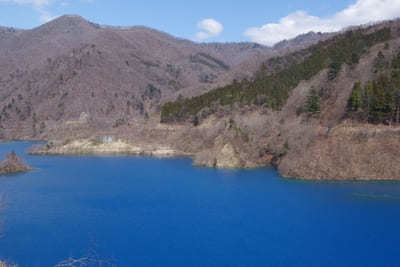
(138, 211)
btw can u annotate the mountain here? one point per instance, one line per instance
(319, 106)
(113, 75)
(329, 111)
(70, 66)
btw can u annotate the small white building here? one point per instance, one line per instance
(107, 139)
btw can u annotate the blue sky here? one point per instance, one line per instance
(253, 20)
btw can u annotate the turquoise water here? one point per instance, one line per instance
(136, 211)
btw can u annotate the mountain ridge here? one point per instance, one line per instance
(244, 105)
(73, 52)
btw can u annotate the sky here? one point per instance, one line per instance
(262, 21)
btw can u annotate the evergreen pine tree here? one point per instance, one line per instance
(355, 101)
(312, 105)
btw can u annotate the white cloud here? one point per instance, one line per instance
(45, 16)
(208, 28)
(40, 6)
(363, 11)
(36, 3)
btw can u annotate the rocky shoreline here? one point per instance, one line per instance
(345, 152)
(13, 164)
(92, 147)
(224, 157)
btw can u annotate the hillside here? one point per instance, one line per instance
(70, 71)
(271, 88)
(330, 111)
(68, 67)
(320, 106)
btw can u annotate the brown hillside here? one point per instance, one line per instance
(66, 67)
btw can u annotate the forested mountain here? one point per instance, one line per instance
(378, 100)
(279, 75)
(328, 111)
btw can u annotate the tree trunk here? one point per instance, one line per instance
(398, 115)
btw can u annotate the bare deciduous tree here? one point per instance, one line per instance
(92, 259)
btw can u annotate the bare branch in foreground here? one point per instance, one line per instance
(93, 259)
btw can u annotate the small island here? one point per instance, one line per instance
(13, 164)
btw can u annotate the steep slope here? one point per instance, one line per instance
(330, 111)
(71, 67)
(320, 106)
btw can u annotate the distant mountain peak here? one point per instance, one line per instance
(73, 16)
(303, 40)
(68, 23)
(70, 18)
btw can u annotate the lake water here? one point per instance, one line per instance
(136, 211)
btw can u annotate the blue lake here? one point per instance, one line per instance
(164, 212)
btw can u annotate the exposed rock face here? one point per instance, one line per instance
(13, 164)
(95, 147)
(226, 143)
(225, 157)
